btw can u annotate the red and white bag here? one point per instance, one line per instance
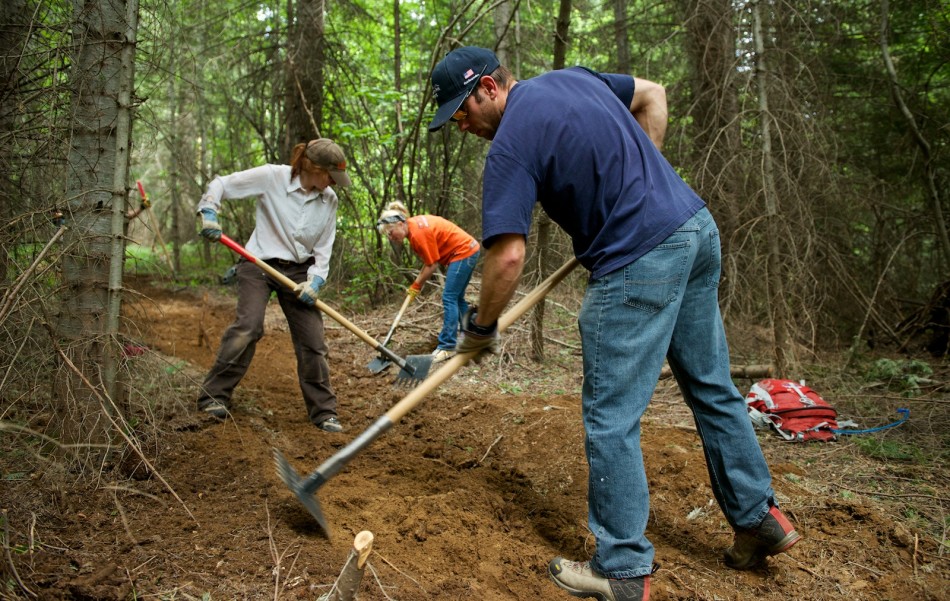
(793, 410)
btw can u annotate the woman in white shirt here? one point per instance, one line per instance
(294, 231)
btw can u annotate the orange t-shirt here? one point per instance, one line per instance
(438, 240)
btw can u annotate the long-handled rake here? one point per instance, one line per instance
(412, 370)
(304, 488)
(382, 362)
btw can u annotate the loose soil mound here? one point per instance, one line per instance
(469, 496)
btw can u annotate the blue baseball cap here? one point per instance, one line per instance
(454, 78)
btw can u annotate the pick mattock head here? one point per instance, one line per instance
(294, 482)
(378, 364)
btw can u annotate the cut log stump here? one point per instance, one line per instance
(348, 583)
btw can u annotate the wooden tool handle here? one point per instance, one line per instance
(290, 284)
(392, 328)
(400, 409)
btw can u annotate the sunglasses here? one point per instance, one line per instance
(462, 115)
(389, 220)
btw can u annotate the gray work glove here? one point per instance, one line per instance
(483, 339)
(210, 228)
(308, 291)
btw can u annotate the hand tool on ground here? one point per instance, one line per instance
(151, 216)
(304, 488)
(382, 362)
(412, 370)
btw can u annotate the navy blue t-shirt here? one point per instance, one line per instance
(568, 141)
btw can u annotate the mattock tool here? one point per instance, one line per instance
(411, 372)
(304, 488)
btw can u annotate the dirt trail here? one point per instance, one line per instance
(468, 497)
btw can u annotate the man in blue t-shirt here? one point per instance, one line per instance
(587, 147)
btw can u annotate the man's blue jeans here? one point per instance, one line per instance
(457, 276)
(663, 305)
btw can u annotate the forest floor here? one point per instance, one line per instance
(468, 496)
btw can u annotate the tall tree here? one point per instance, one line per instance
(306, 58)
(621, 37)
(101, 92)
(14, 28)
(776, 271)
(716, 124)
(715, 153)
(546, 227)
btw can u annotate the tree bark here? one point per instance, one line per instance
(502, 22)
(101, 91)
(775, 280)
(621, 39)
(348, 583)
(561, 33)
(305, 74)
(397, 85)
(175, 154)
(545, 225)
(711, 47)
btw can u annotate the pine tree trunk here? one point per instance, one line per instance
(776, 277)
(716, 123)
(711, 47)
(545, 225)
(621, 40)
(101, 90)
(306, 58)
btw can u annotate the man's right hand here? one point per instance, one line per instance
(210, 228)
(413, 291)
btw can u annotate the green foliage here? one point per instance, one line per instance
(213, 89)
(902, 376)
(511, 388)
(888, 450)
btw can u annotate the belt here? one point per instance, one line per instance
(286, 263)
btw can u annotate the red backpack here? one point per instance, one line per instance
(793, 410)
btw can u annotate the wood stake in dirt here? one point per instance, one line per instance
(346, 586)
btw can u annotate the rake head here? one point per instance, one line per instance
(298, 486)
(416, 370)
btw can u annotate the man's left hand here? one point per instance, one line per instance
(476, 338)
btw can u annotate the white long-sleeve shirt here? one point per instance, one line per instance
(291, 224)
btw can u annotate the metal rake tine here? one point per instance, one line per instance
(287, 473)
(420, 366)
(406, 382)
(298, 486)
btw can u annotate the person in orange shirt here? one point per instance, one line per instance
(437, 241)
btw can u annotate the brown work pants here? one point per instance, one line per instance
(254, 288)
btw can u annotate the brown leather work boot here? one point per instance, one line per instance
(773, 536)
